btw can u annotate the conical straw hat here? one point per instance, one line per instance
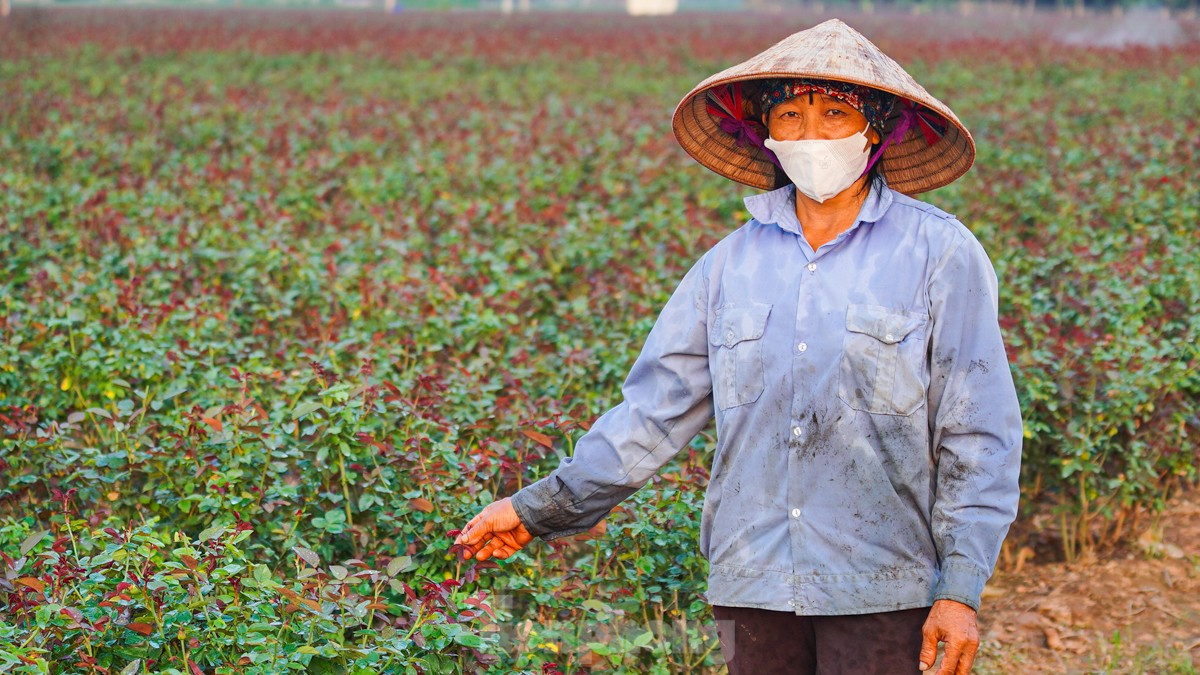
(833, 51)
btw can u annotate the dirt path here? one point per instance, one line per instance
(1136, 613)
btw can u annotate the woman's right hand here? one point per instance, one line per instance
(494, 531)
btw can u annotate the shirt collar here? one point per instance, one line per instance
(779, 207)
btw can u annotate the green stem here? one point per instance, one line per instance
(71, 533)
(278, 640)
(416, 624)
(692, 667)
(370, 616)
(345, 485)
(295, 400)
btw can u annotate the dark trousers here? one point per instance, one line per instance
(767, 642)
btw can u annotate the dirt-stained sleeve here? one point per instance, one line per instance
(975, 421)
(667, 400)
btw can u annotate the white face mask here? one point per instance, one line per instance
(821, 168)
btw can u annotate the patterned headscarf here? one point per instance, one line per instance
(874, 104)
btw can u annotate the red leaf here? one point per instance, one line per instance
(74, 615)
(194, 668)
(367, 439)
(214, 423)
(143, 628)
(478, 602)
(539, 438)
(421, 504)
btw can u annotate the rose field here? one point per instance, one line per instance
(287, 296)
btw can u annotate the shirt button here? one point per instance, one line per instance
(812, 267)
(803, 347)
(796, 431)
(729, 336)
(795, 513)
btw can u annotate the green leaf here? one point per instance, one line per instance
(337, 391)
(31, 541)
(307, 556)
(398, 564)
(212, 532)
(468, 640)
(305, 408)
(643, 639)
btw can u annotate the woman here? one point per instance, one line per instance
(846, 338)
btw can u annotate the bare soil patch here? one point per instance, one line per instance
(1136, 612)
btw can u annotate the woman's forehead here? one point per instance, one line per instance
(802, 101)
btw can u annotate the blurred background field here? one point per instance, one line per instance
(288, 295)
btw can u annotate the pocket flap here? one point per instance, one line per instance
(739, 322)
(882, 323)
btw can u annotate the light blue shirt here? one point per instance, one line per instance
(868, 430)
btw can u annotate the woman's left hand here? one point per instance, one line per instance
(951, 622)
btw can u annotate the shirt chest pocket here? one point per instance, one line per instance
(737, 362)
(883, 361)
